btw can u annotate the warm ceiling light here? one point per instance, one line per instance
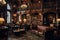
(25, 20)
(14, 6)
(1, 20)
(0, 0)
(4, 2)
(17, 23)
(28, 14)
(58, 19)
(12, 19)
(40, 14)
(14, 15)
(24, 6)
(51, 25)
(28, 3)
(20, 20)
(38, 1)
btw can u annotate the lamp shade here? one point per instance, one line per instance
(1, 20)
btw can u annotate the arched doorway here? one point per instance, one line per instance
(49, 18)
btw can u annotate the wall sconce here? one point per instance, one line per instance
(1, 20)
